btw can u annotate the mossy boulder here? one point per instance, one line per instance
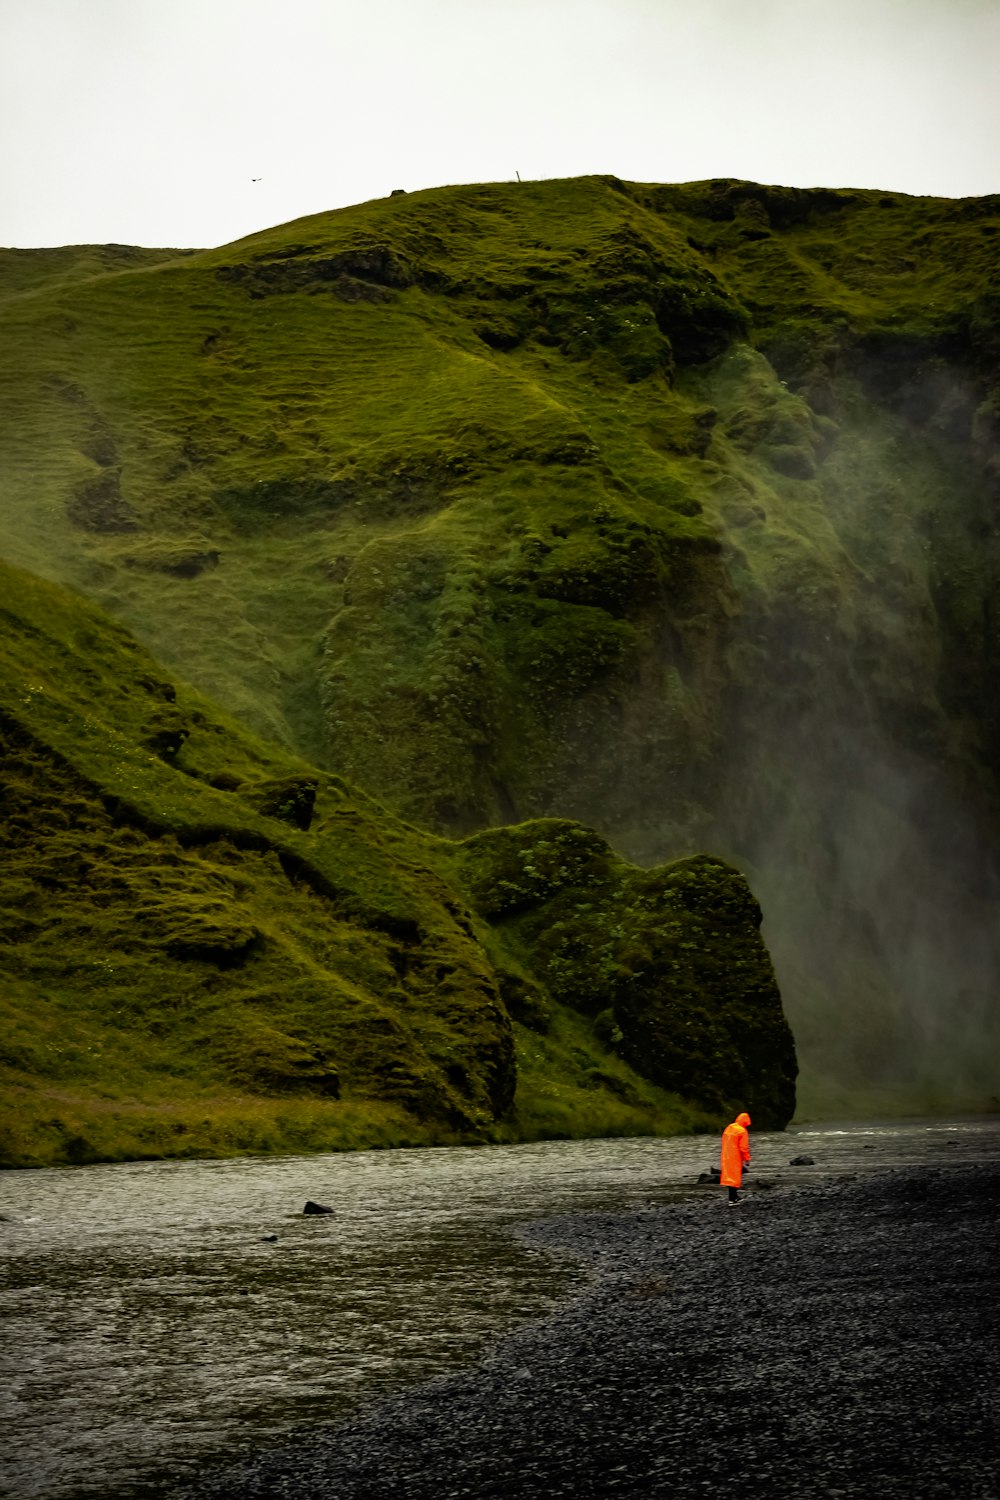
(669, 964)
(700, 1011)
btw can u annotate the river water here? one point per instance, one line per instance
(159, 1314)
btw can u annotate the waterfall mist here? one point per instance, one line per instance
(880, 892)
(857, 782)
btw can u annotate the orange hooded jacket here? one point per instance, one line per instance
(735, 1151)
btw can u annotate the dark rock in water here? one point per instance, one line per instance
(712, 1175)
(316, 1208)
(269, 1239)
(802, 1161)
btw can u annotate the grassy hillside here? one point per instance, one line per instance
(206, 945)
(669, 509)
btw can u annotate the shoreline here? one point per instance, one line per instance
(840, 1338)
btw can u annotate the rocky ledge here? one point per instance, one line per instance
(831, 1340)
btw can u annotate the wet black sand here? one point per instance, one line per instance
(832, 1340)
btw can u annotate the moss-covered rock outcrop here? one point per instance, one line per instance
(668, 964)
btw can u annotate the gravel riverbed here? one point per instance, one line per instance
(836, 1339)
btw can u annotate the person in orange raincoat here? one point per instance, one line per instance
(735, 1151)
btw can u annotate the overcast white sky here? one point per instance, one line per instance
(147, 121)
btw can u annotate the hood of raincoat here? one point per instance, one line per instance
(742, 1120)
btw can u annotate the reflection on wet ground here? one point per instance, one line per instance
(155, 1312)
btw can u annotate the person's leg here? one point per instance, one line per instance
(734, 1196)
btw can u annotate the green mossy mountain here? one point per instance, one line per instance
(670, 510)
(209, 946)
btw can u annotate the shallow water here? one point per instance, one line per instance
(150, 1322)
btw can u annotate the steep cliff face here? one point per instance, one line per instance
(668, 509)
(209, 946)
